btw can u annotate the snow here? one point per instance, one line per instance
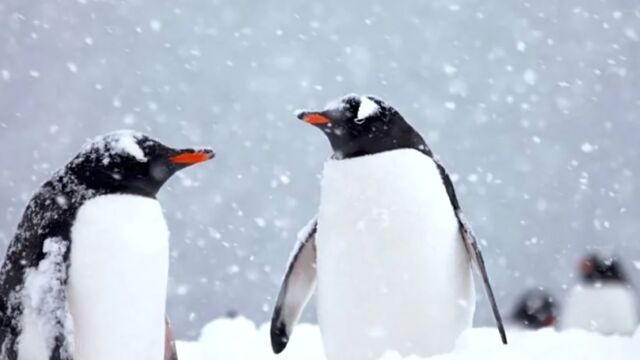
(127, 144)
(120, 245)
(155, 25)
(367, 108)
(240, 339)
(376, 269)
(233, 339)
(530, 76)
(118, 142)
(587, 147)
(72, 67)
(42, 299)
(449, 69)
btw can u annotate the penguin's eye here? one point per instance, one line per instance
(159, 171)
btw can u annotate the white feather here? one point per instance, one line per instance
(367, 108)
(118, 142)
(605, 308)
(118, 279)
(128, 145)
(393, 273)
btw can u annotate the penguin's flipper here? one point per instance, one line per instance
(170, 352)
(296, 289)
(473, 249)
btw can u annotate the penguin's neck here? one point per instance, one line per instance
(400, 137)
(102, 181)
(118, 278)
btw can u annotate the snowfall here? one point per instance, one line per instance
(239, 338)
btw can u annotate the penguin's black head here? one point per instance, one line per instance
(535, 309)
(131, 163)
(595, 268)
(363, 125)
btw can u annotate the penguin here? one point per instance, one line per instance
(535, 309)
(604, 301)
(389, 249)
(85, 276)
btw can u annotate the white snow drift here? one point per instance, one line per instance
(234, 339)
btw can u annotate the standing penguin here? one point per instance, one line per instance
(604, 301)
(536, 309)
(85, 276)
(390, 247)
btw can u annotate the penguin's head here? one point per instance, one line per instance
(595, 268)
(535, 309)
(132, 163)
(363, 125)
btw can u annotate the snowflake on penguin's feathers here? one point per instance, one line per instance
(44, 293)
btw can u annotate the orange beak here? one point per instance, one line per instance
(190, 157)
(315, 119)
(586, 267)
(549, 321)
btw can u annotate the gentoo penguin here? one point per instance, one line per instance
(535, 309)
(390, 248)
(604, 301)
(85, 276)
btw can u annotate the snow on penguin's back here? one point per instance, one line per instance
(117, 142)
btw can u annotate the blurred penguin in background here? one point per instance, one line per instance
(604, 301)
(535, 309)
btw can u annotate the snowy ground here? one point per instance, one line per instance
(227, 339)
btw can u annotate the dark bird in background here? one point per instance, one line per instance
(604, 300)
(594, 268)
(535, 309)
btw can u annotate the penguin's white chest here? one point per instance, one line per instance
(118, 278)
(393, 273)
(606, 308)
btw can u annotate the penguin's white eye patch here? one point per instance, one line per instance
(128, 145)
(367, 108)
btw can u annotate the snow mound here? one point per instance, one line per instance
(239, 338)
(232, 339)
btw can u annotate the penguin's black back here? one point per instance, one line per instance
(49, 214)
